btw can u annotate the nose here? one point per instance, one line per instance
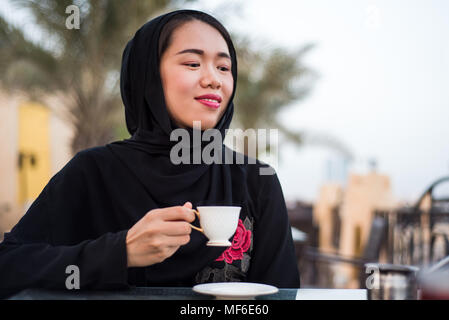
(210, 78)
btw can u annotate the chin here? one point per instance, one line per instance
(205, 123)
(208, 125)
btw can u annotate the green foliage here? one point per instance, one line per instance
(269, 83)
(80, 64)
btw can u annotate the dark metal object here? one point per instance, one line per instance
(392, 282)
(418, 236)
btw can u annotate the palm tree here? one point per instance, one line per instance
(81, 66)
(268, 84)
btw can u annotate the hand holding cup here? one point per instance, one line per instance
(158, 235)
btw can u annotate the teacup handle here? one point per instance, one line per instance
(196, 228)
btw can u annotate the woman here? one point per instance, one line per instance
(120, 213)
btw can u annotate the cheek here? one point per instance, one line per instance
(178, 89)
(182, 83)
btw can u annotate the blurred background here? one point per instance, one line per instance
(358, 90)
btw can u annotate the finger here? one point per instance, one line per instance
(188, 205)
(177, 213)
(175, 228)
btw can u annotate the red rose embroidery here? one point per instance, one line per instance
(240, 244)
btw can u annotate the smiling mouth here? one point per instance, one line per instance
(214, 104)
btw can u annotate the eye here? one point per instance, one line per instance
(224, 68)
(193, 65)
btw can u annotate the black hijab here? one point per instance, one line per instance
(150, 125)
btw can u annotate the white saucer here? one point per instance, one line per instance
(235, 290)
(218, 243)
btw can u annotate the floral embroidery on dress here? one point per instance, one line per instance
(240, 244)
(233, 264)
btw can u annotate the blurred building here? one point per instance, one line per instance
(326, 216)
(363, 196)
(344, 232)
(35, 144)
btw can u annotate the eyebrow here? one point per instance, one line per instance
(201, 52)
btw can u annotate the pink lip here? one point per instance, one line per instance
(210, 104)
(210, 96)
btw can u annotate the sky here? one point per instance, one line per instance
(383, 89)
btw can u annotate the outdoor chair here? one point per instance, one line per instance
(438, 217)
(371, 252)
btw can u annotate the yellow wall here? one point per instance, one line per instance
(34, 140)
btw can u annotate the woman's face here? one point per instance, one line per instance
(189, 74)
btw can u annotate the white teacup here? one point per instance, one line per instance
(218, 223)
